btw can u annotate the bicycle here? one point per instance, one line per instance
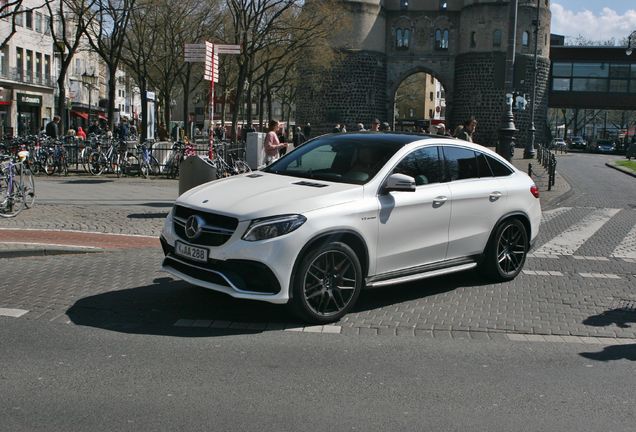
(14, 193)
(223, 167)
(148, 164)
(56, 159)
(99, 161)
(174, 160)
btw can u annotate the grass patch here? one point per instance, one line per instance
(629, 164)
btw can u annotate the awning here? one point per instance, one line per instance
(80, 114)
(102, 116)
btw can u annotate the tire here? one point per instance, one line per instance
(130, 165)
(49, 165)
(29, 188)
(96, 163)
(326, 284)
(506, 251)
(155, 167)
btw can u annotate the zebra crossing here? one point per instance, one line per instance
(575, 231)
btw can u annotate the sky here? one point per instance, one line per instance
(594, 19)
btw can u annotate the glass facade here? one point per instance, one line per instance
(594, 77)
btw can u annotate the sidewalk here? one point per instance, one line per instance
(540, 177)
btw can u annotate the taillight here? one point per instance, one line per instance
(534, 191)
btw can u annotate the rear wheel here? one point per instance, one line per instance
(96, 163)
(11, 199)
(327, 284)
(28, 186)
(506, 251)
(49, 165)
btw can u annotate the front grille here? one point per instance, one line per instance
(217, 230)
(195, 272)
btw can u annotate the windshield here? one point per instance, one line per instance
(337, 158)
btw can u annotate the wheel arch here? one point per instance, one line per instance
(348, 237)
(521, 216)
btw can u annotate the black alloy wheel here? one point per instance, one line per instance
(327, 284)
(507, 250)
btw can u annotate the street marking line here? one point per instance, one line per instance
(76, 231)
(548, 215)
(13, 313)
(518, 337)
(627, 248)
(600, 275)
(47, 244)
(573, 238)
(589, 258)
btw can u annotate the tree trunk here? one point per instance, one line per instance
(186, 97)
(143, 86)
(112, 87)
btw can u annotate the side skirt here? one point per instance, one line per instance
(422, 272)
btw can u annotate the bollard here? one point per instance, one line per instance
(530, 169)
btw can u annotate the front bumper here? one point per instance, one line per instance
(246, 270)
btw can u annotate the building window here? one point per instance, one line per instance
(430, 113)
(402, 38)
(47, 67)
(19, 18)
(3, 62)
(47, 24)
(38, 22)
(496, 38)
(430, 96)
(38, 67)
(78, 66)
(525, 39)
(18, 62)
(473, 39)
(28, 18)
(441, 39)
(404, 4)
(29, 65)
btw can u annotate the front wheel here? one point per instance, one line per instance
(506, 252)
(49, 165)
(327, 284)
(96, 163)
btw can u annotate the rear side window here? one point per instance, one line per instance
(483, 167)
(423, 165)
(460, 163)
(497, 167)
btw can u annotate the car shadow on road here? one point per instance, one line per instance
(622, 318)
(156, 308)
(175, 308)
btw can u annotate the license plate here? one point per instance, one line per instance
(192, 252)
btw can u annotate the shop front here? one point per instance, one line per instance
(29, 113)
(5, 112)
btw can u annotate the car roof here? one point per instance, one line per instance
(400, 138)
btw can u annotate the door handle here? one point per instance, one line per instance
(439, 201)
(494, 196)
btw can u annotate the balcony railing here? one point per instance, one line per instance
(18, 75)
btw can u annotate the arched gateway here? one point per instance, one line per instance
(462, 43)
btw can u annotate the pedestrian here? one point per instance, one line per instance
(385, 127)
(174, 133)
(94, 128)
(272, 144)
(162, 132)
(299, 138)
(336, 128)
(375, 125)
(124, 129)
(441, 130)
(468, 130)
(52, 128)
(80, 133)
(219, 132)
(343, 128)
(307, 130)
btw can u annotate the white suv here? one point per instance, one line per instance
(349, 211)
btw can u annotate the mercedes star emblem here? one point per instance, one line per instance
(193, 226)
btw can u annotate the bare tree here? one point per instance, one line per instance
(106, 33)
(68, 22)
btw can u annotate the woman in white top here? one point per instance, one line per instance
(272, 144)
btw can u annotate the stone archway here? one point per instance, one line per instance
(397, 73)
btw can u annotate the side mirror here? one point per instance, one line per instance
(399, 183)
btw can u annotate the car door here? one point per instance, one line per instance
(478, 200)
(413, 226)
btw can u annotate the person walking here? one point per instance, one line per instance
(375, 125)
(162, 132)
(336, 128)
(272, 144)
(52, 128)
(94, 128)
(299, 138)
(468, 130)
(80, 133)
(307, 130)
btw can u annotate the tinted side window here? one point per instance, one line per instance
(423, 165)
(460, 163)
(482, 165)
(498, 168)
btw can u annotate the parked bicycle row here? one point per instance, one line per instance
(102, 154)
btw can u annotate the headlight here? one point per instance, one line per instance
(266, 228)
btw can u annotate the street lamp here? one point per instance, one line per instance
(90, 81)
(529, 151)
(631, 43)
(507, 129)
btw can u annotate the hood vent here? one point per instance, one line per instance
(255, 175)
(311, 184)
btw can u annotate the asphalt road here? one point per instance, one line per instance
(61, 378)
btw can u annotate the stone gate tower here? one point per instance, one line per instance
(462, 43)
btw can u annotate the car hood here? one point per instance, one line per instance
(260, 194)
